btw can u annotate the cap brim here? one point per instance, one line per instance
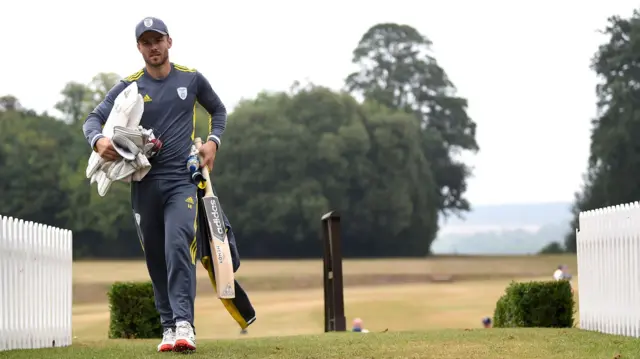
(152, 30)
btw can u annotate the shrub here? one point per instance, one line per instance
(133, 311)
(552, 248)
(500, 313)
(546, 304)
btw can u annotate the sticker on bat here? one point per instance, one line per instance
(219, 254)
(217, 225)
(228, 291)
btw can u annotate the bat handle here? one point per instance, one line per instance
(208, 190)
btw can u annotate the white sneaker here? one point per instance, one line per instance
(185, 337)
(168, 341)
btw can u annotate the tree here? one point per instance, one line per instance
(79, 99)
(9, 103)
(60, 195)
(397, 70)
(614, 161)
(100, 85)
(74, 105)
(297, 155)
(31, 161)
(552, 248)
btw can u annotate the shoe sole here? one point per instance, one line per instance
(183, 346)
(165, 348)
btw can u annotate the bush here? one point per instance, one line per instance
(133, 311)
(552, 248)
(547, 304)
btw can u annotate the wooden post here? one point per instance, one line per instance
(334, 319)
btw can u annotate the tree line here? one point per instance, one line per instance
(386, 163)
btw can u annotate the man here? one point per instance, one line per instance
(165, 201)
(562, 273)
(486, 322)
(357, 326)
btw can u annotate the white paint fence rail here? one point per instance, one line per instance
(35, 285)
(608, 249)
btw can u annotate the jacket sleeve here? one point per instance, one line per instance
(214, 106)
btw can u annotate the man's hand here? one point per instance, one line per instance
(105, 150)
(208, 154)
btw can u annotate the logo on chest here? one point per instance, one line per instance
(182, 92)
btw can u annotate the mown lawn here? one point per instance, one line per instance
(451, 343)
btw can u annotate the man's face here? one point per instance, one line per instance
(154, 48)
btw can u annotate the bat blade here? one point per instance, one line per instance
(221, 253)
(219, 243)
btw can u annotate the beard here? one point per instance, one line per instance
(157, 60)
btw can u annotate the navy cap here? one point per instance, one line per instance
(151, 24)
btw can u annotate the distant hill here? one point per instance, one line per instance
(514, 214)
(505, 229)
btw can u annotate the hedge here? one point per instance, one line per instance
(539, 304)
(133, 311)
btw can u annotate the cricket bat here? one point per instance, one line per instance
(217, 233)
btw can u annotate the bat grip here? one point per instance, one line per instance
(208, 190)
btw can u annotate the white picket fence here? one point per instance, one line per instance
(608, 249)
(35, 285)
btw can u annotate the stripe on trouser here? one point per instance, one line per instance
(139, 229)
(193, 248)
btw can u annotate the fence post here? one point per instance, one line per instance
(334, 319)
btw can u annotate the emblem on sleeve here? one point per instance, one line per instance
(182, 92)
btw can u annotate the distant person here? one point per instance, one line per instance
(357, 326)
(486, 322)
(562, 273)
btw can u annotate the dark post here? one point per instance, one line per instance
(334, 320)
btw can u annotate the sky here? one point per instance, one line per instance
(522, 65)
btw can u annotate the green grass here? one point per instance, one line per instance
(466, 344)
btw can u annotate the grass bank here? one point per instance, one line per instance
(441, 344)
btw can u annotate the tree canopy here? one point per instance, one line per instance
(397, 69)
(614, 162)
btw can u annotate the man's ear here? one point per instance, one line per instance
(169, 41)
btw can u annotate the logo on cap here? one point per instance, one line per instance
(148, 22)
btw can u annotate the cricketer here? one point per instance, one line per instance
(165, 201)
